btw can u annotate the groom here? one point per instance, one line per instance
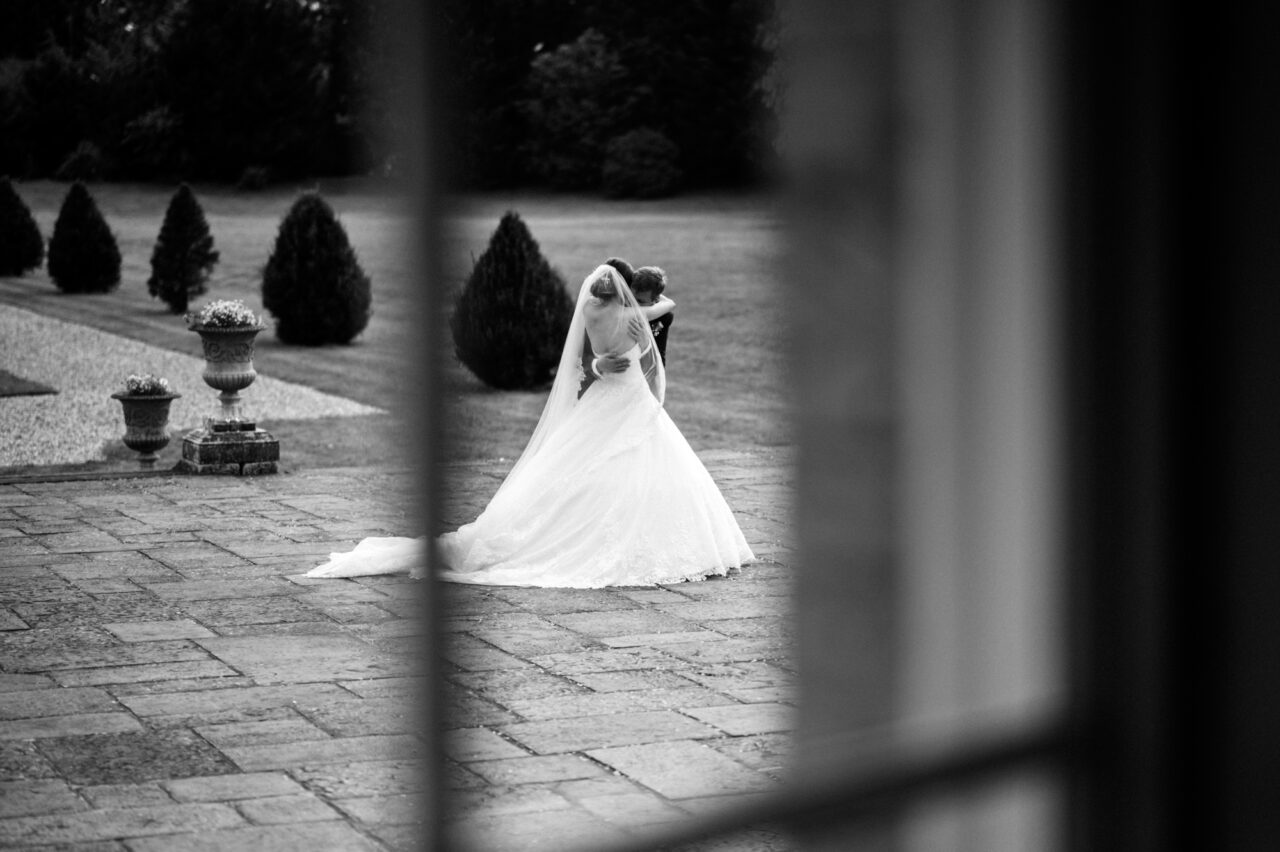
(648, 284)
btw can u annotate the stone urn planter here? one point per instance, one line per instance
(230, 442)
(227, 329)
(146, 423)
(228, 365)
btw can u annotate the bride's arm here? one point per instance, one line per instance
(660, 308)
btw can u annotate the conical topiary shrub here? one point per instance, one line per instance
(512, 315)
(312, 284)
(184, 254)
(21, 244)
(83, 255)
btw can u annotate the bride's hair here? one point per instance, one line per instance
(604, 287)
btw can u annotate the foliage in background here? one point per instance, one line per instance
(511, 318)
(691, 71)
(184, 89)
(577, 99)
(260, 90)
(698, 69)
(242, 81)
(21, 244)
(313, 284)
(183, 255)
(85, 162)
(641, 163)
(83, 255)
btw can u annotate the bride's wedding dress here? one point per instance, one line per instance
(608, 493)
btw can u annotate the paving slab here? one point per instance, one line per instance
(470, 744)
(548, 831)
(57, 648)
(632, 810)
(289, 810)
(587, 706)
(9, 620)
(222, 788)
(362, 779)
(148, 821)
(219, 703)
(131, 756)
(71, 724)
(683, 769)
(111, 796)
(357, 716)
(536, 769)
(151, 631)
(25, 798)
(267, 732)
(519, 684)
(21, 761)
(311, 837)
(56, 702)
(395, 809)
(330, 750)
(302, 659)
(145, 672)
(742, 720)
(559, 736)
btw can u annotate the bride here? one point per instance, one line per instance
(607, 493)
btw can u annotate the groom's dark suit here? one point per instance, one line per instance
(659, 328)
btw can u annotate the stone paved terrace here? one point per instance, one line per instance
(169, 680)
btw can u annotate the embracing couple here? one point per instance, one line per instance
(647, 285)
(607, 492)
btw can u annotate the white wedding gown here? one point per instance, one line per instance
(615, 496)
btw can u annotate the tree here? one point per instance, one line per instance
(52, 110)
(246, 85)
(511, 318)
(312, 284)
(489, 45)
(577, 100)
(21, 244)
(640, 163)
(696, 70)
(687, 67)
(184, 254)
(83, 255)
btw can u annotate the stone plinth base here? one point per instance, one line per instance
(242, 450)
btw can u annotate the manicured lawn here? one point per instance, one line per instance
(726, 386)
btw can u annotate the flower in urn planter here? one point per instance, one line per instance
(146, 385)
(227, 329)
(146, 400)
(224, 313)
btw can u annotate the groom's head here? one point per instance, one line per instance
(626, 270)
(648, 284)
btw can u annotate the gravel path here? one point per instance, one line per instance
(87, 366)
